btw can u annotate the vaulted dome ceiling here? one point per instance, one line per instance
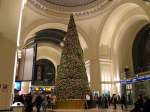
(70, 3)
(66, 7)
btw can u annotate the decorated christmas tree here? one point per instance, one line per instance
(72, 81)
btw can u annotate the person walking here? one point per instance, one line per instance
(123, 101)
(146, 107)
(87, 101)
(28, 103)
(99, 102)
(138, 105)
(114, 100)
(38, 102)
(44, 103)
(53, 102)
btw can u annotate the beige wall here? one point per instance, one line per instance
(6, 70)
(9, 19)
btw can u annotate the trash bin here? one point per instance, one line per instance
(18, 107)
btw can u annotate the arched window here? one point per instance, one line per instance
(141, 50)
(45, 72)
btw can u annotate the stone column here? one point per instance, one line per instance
(95, 75)
(9, 20)
(94, 68)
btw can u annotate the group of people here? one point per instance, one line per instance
(105, 101)
(36, 100)
(142, 104)
(42, 101)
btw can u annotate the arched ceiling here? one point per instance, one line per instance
(118, 15)
(47, 52)
(122, 19)
(59, 27)
(55, 36)
(66, 7)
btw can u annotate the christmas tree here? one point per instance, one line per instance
(71, 81)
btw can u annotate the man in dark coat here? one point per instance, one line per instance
(146, 107)
(29, 104)
(123, 101)
(38, 102)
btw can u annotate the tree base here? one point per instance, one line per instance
(70, 104)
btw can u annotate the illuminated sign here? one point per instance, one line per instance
(48, 89)
(42, 88)
(134, 80)
(36, 89)
(18, 85)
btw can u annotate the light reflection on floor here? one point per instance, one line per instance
(91, 110)
(110, 109)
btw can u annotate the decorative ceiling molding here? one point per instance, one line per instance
(69, 3)
(79, 7)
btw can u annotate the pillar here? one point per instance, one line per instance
(95, 75)
(94, 69)
(9, 21)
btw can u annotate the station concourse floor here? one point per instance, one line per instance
(110, 109)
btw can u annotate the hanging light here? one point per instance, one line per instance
(62, 44)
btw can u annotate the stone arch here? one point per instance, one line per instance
(140, 50)
(50, 53)
(122, 56)
(114, 20)
(119, 20)
(45, 72)
(48, 58)
(39, 25)
(42, 24)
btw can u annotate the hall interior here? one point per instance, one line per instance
(114, 36)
